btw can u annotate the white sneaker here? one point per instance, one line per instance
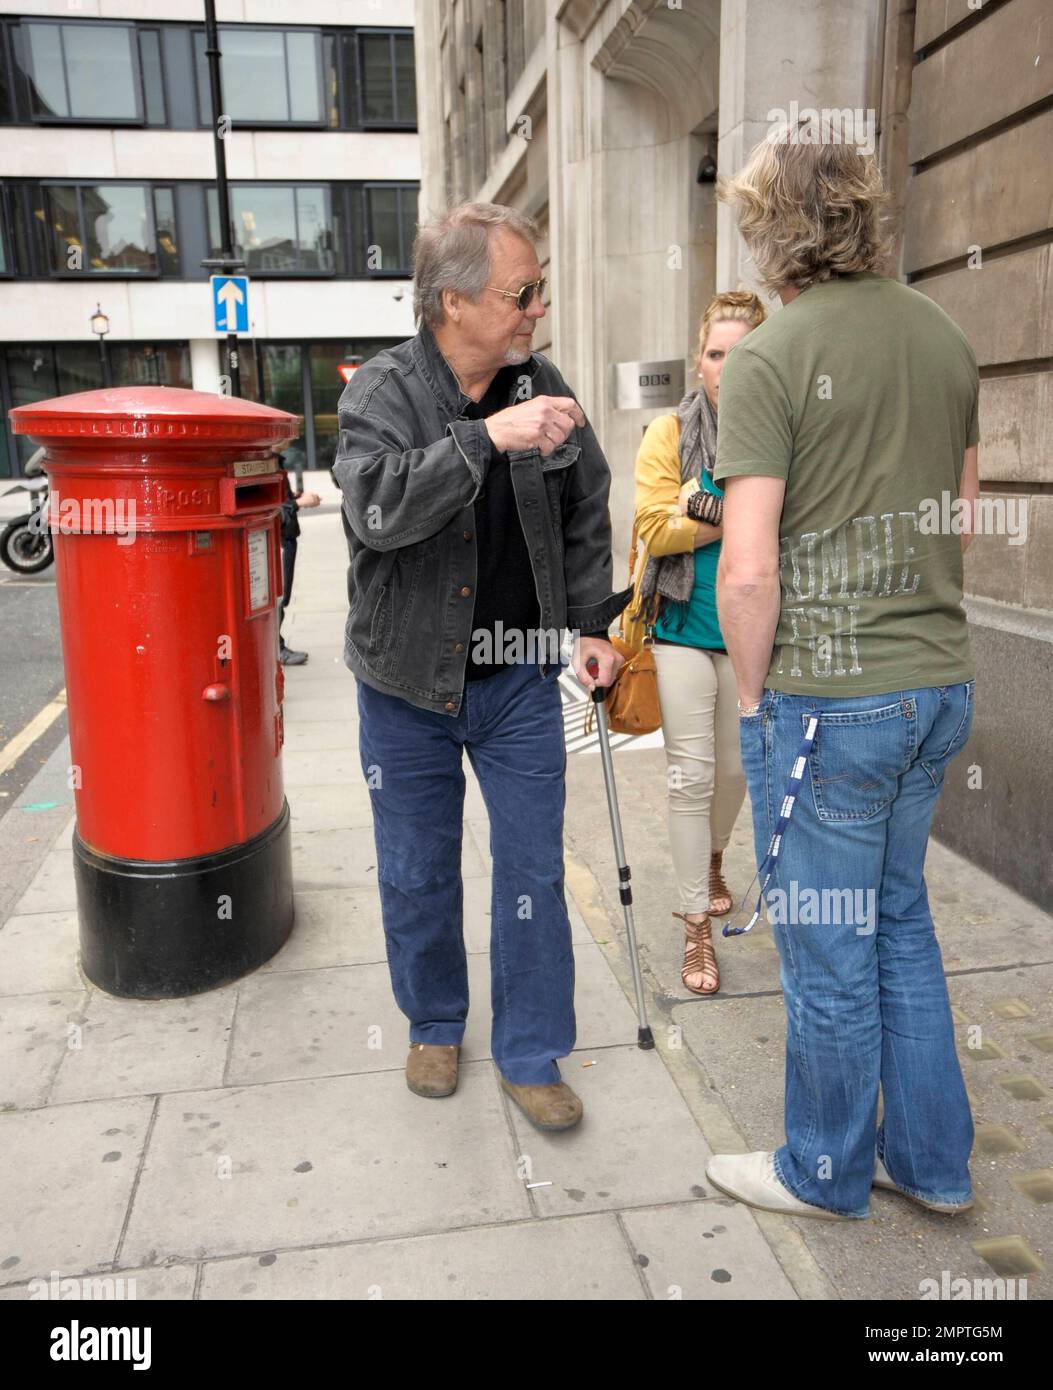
(882, 1180)
(751, 1178)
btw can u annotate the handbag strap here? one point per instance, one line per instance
(649, 619)
(632, 558)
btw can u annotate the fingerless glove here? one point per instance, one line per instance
(706, 506)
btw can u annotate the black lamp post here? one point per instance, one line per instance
(227, 262)
(100, 325)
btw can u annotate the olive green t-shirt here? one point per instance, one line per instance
(862, 394)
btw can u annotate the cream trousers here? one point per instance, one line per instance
(700, 725)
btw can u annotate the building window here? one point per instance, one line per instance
(100, 228)
(116, 72)
(333, 110)
(304, 379)
(384, 222)
(30, 373)
(5, 258)
(165, 228)
(20, 222)
(379, 81)
(83, 72)
(153, 76)
(281, 228)
(270, 76)
(7, 93)
(150, 364)
(326, 384)
(282, 386)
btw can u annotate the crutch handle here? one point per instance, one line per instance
(598, 692)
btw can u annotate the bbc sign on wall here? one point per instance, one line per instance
(644, 385)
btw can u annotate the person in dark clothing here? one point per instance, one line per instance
(475, 507)
(290, 521)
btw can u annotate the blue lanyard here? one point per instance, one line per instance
(793, 786)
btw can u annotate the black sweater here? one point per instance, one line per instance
(505, 589)
(504, 586)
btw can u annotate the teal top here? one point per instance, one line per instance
(700, 627)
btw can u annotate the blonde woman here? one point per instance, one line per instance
(678, 518)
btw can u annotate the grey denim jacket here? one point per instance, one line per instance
(409, 466)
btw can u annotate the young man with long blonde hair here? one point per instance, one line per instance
(843, 617)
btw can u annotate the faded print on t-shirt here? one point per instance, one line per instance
(862, 394)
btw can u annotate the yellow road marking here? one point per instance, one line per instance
(25, 738)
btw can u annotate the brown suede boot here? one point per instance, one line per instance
(431, 1069)
(546, 1107)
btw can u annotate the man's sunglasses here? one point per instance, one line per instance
(524, 297)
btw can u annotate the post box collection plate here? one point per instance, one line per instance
(257, 546)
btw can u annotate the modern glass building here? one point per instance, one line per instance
(108, 200)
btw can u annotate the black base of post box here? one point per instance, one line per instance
(162, 930)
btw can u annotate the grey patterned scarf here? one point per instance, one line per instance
(673, 576)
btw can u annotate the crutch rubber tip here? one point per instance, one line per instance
(644, 1039)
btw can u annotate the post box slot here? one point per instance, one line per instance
(253, 495)
(248, 497)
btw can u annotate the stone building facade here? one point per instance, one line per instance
(601, 118)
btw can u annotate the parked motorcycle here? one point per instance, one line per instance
(26, 543)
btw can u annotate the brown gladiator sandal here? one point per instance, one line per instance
(720, 900)
(699, 957)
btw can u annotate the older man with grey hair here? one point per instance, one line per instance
(475, 509)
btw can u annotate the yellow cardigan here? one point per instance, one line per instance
(657, 522)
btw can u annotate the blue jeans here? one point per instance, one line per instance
(862, 976)
(512, 727)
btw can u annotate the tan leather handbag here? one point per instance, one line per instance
(632, 701)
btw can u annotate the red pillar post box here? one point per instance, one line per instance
(164, 510)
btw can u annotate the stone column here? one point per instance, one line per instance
(815, 54)
(430, 107)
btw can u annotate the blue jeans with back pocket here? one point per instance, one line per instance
(862, 976)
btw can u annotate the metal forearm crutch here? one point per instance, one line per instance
(644, 1036)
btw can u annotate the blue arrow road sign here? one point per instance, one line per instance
(230, 303)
